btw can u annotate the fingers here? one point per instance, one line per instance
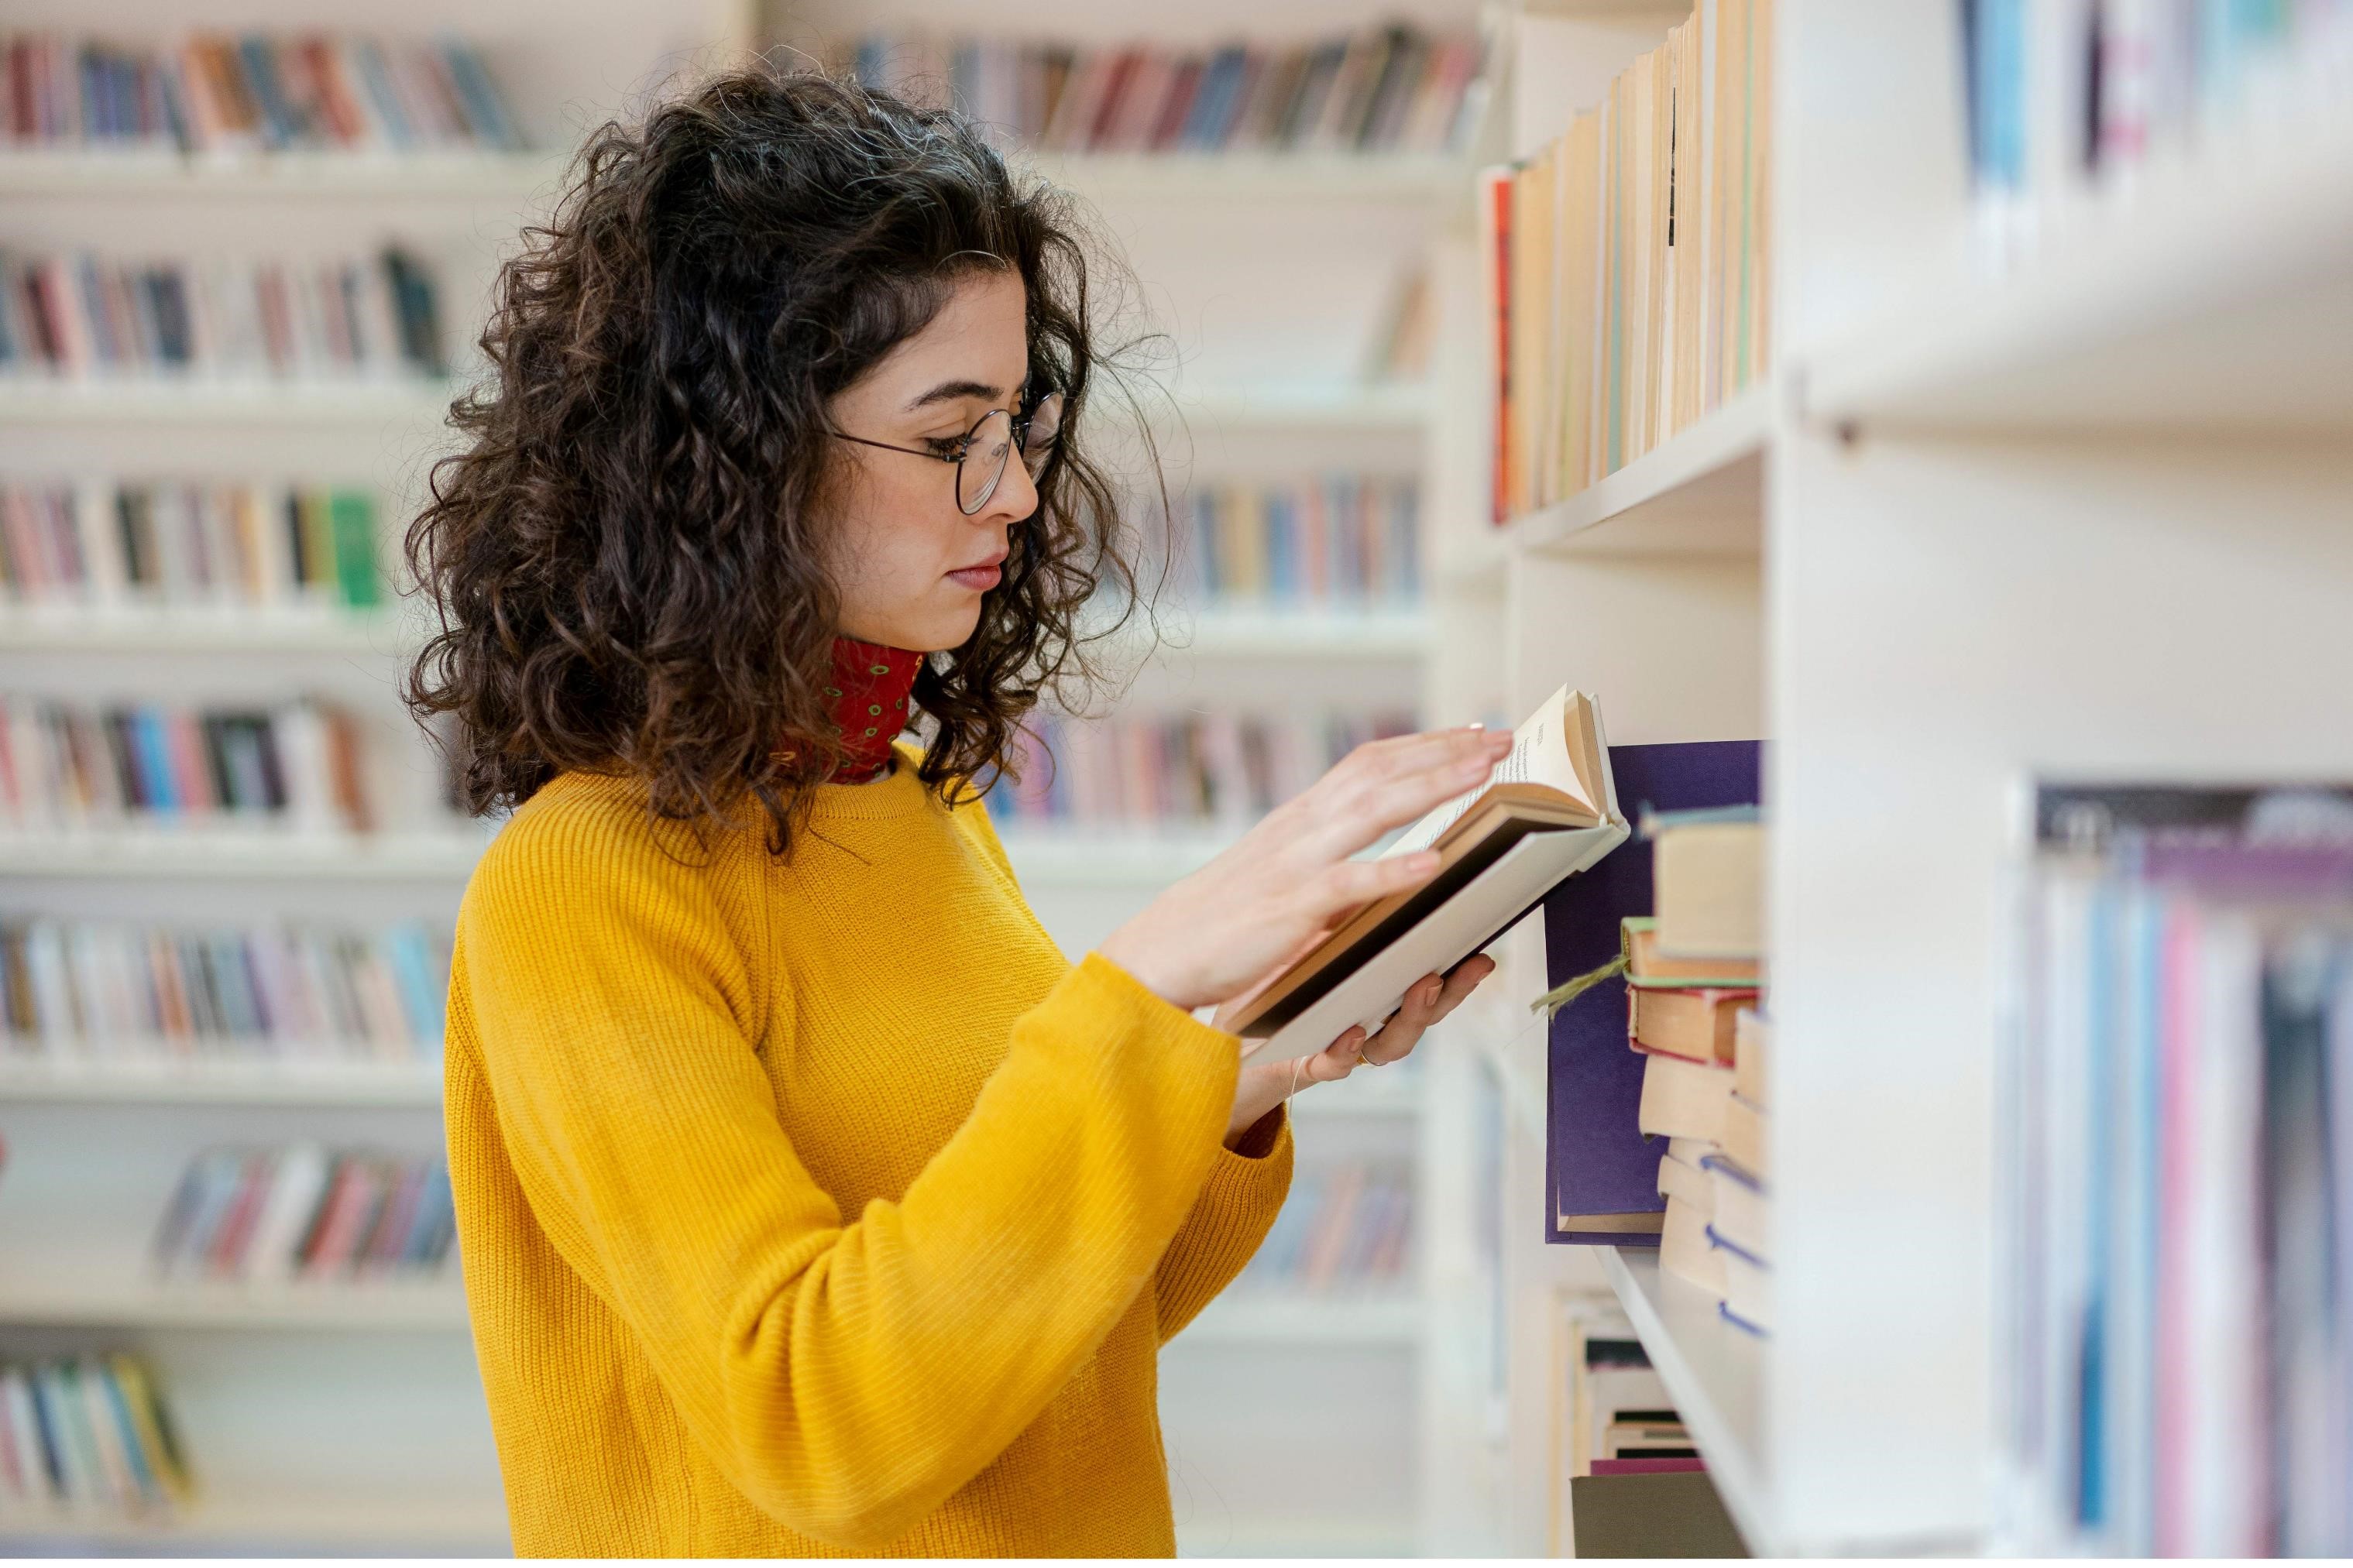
(1391, 782)
(1415, 1012)
(1343, 886)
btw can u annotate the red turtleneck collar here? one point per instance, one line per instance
(869, 697)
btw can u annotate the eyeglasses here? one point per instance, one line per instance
(980, 453)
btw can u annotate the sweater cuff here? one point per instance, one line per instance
(1251, 1180)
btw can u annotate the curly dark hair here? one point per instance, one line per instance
(627, 558)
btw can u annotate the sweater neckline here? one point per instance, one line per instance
(899, 795)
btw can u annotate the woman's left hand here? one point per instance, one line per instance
(1266, 1085)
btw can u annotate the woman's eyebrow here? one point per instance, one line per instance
(955, 391)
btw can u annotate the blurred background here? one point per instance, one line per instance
(1963, 327)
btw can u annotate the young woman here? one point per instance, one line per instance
(809, 1201)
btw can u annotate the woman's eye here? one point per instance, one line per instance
(950, 447)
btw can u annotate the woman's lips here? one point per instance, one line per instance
(979, 579)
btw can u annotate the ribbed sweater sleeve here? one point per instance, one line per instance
(847, 1373)
(1229, 1221)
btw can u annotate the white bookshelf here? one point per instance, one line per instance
(2081, 511)
(264, 1382)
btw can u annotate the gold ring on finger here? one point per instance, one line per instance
(1364, 1061)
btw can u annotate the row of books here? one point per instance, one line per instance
(73, 990)
(71, 767)
(1338, 540)
(2065, 93)
(187, 544)
(1349, 1227)
(1629, 260)
(1189, 770)
(1620, 1418)
(1392, 89)
(2178, 1221)
(85, 1437)
(81, 316)
(218, 92)
(304, 1212)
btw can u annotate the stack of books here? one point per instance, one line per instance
(306, 1213)
(1341, 541)
(85, 1437)
(93, 991)
(82, 317)
(1692, 985)
(2177, 1102)
(295, 767)
(1188, 770)
(1347, 1228)
(2074, 94)
(219, 93)
(1629, 261)
(1394, 88)
(187, 545)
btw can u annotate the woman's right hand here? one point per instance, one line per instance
(1237, 922)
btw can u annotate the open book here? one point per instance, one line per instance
(1547, 811)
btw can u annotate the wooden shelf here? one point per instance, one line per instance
(1699, 493)
(451, 175)
(131, 1080)
(1297, 1318)
(372, 1524)
(420, 405)
(1716, 1374)
(245, 857)
(395, 1306)
(2215, 297)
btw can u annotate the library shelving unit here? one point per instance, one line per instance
(345, 1420)
(2079, 512)
(351, 1421)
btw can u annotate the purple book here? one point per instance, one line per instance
(1601, 1163)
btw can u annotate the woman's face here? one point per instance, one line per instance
(911, 566)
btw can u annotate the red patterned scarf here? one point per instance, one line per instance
(870, 698)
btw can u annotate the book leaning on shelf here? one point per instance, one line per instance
(1547, 811)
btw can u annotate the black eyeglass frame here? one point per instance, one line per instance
(1018, 429)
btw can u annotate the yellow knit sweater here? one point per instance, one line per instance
(821, 1207)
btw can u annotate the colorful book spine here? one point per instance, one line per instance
(2177, 1202)
(108, 991)
(1347, 1227)
(64, 766)
(84, 317)
(1388, 90)
(1628, 262)
(1343, 541)
(223, 93)
(305, 1213)
(190, 546)
(86, 1437)
(1193, 770)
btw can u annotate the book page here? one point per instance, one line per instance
(1539, 754)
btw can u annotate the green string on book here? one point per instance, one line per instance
(1561, 995)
